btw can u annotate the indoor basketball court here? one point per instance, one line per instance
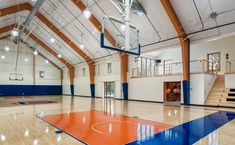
(117, 72)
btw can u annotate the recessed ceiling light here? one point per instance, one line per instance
(3, 57)
(26, 59)
(52, 39)
(35, 52)
(59, 55)
(14, 32)
(46, 61)
(82, 46)
(7, 48)
(123, 27)
(87, 13)
(33, 0)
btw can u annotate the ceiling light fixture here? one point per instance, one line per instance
(82, 46)
(87, 13)
(35, 52)
(46, 61)
(26, 59)
(52, 40)
(59, 55)
(3, 57)
(123, 27)
(7, 48)
(15, 32)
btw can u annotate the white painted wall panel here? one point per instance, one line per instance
(230, 81)
(151, 88)
(7, 65)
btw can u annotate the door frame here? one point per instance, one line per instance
(104, 91)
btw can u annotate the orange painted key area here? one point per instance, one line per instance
(99, 128)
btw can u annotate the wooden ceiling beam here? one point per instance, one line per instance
(39, 42)
(52, 27)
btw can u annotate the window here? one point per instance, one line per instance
(109, 67)
(41, 74)
(213, 61)
(83, 72)
(167, 66)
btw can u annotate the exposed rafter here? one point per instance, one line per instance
(95, 22)
(39, 42)
(40, 54)
(41, 17)
(123, 57)
(52, 27)
(185, 47)
(182, 36)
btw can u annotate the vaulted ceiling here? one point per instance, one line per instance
(155, 27)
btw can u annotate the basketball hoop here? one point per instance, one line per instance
(16, 77)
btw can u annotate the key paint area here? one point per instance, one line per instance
(100, 128)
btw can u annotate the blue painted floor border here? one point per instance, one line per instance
(189, 132)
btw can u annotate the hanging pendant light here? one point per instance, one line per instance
(35, 52)
(7, 48)
(59, 55)
(52, 40)
(15, 32)
(87, 12)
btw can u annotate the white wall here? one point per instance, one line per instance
(151, 88)
(230, 81)
(66, 82)
(7, 65)
(82, 83)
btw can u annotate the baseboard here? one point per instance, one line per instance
(144, 101)
(81, 96)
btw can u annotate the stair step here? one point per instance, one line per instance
(219, 94)
(232, 90)
(231, 94)
(231, 99)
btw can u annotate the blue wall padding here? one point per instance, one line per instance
(125, 91)
(92, 87)
(29, 90)
(72, 89)
(186, 91)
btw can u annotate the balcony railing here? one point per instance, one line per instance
(196, 66)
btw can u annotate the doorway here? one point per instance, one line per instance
(109, 89)
(172, 93)
(213, 62)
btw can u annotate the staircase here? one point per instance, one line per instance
(219, 94)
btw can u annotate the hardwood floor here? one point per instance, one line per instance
(20, 126)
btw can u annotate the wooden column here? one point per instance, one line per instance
(71, 78)
(185, 47)
(124, 77)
